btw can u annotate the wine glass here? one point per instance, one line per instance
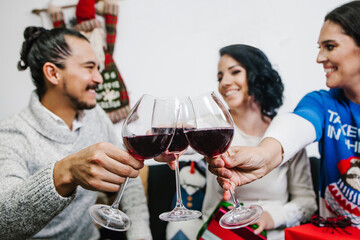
(210, 134)
(142, 143)
(178, 145)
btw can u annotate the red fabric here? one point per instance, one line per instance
(59, 24)
(244, 233)
(85, 10)
(110, 24)
(311, 232)
(342, 201)
(344, 165)
(217, 230)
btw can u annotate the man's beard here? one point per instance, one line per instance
(79, 105)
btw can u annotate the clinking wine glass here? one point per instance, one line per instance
(178, 145)
(210, 133)
(142, 143)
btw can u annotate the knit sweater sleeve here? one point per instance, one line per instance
(302, 204)
(27, 201)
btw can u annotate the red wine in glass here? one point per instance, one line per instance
(210, 142)
(147, 146)
(179, 142)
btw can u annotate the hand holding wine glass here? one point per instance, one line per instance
(142, 143)
(211, 135)
(252, 165)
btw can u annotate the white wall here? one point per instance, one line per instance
(170, 47)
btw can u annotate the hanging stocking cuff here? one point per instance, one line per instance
(88, 25)
(57, 17)
(111, 8)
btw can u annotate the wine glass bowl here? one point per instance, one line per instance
(211, 130)
(149, 131)
(210, 142)
(210, 134)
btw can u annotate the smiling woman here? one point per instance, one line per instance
(253, 91)
(256, 79)
(339, 54)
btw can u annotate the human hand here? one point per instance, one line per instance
(241, 165)
(265, 222)
(168, 158)
(102, 167)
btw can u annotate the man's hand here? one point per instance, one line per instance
(99, 167)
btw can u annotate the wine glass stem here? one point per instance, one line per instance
(232, 194)
(177, 182)
(119, 194)
(236, 203)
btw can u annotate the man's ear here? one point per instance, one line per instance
(51, 73)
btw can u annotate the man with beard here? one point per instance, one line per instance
(61, 146)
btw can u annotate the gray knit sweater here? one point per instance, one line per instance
(30, 144)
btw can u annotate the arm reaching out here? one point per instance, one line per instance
(286, 135)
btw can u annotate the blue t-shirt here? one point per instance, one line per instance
(337, 123)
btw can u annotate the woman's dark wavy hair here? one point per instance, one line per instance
(264, 82)
(41, 46)
(348, 17)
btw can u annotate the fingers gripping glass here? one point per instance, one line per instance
(211, 135)
(142, 143)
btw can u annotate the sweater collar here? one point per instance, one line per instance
(46, 124)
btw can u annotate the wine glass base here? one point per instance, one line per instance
(240, 217)
(109, 217)
(180, 214)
